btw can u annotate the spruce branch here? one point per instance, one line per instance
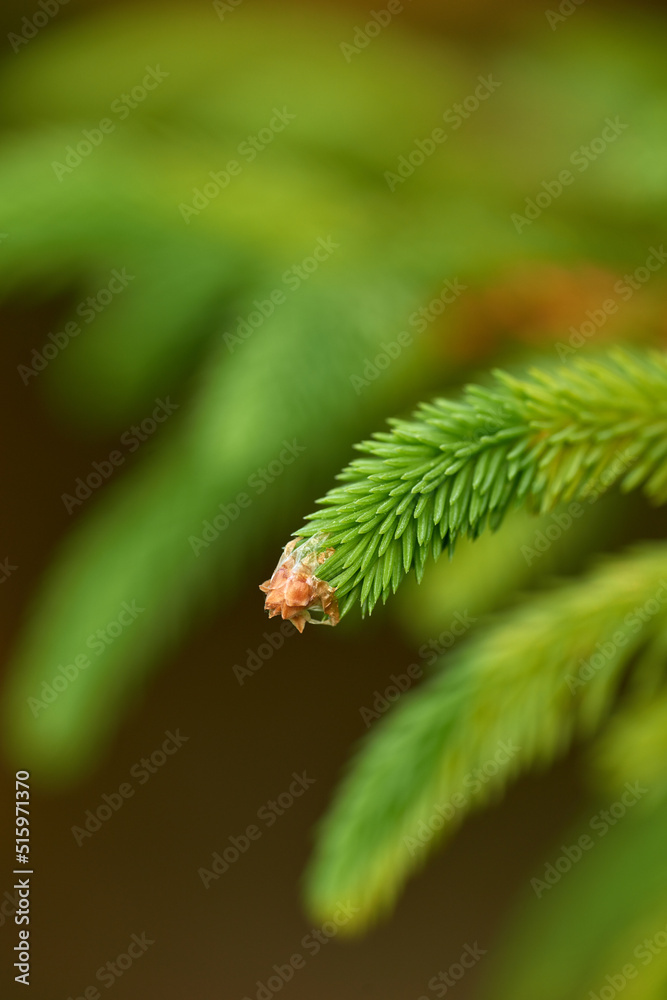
(566, 942)
(458, 466)
(515, 695)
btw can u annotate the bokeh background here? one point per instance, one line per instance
(172, 332)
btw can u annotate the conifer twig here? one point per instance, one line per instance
(459, 466)
(514, 695)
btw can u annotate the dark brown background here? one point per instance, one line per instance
(299, 712)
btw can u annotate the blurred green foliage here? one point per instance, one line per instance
(322, 177)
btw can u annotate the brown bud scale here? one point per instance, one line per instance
(294, 592)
